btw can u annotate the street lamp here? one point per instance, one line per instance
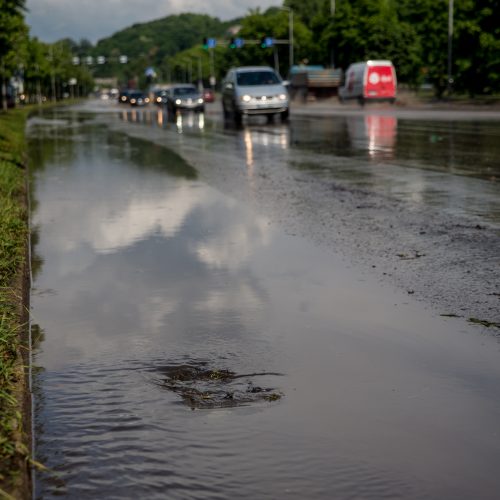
(290, 33)
(450, 42)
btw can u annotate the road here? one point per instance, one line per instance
(410, 195)
(272, 311)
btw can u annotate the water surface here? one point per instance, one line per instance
(142, 266)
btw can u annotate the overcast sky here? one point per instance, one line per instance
(51, 20)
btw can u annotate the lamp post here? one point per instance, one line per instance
(290, 33)
(450, 44)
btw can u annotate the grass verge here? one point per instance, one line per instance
(14, 453)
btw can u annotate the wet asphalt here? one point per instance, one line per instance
(409, 195)
(271, 311)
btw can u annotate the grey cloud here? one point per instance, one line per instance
(52, 20)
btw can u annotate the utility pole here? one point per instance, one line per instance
(4, 88)
(290, 35)
(200, 75)
(450, 45)
(52, 75)
(212, 69)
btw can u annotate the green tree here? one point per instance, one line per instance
(476, 47)
(11, 25)
(274, 23)
(366, 29)
(13, 33)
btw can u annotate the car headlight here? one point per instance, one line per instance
(123, 98)
(146, 100)
(178, 101)
(200, 101)
(132, 101)
(158, 99)
(246, 98)
(283, 97)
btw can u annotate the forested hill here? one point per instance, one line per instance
(161, 38)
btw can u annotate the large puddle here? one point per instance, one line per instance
(450, 165)
(188, 349)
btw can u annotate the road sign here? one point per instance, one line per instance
(269, 41)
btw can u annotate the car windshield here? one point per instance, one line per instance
(257, 78)
(185, 91)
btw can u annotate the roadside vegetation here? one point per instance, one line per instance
(13, 238)
(411, 33)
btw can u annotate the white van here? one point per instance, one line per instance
(369, 81)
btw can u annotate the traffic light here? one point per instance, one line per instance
(205, 43)
(232, 43)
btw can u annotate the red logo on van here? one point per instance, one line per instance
(380, 82)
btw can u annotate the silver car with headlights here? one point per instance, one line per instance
(254, 90)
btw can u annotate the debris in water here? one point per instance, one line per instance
(201, 387)
(483, 322)
(404, 256)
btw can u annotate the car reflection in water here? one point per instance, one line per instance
(189, 120)
(164, 120)
(375, 134)
(264, 141)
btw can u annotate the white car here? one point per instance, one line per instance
(254, 90)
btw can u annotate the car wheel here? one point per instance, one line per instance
(225, 112)
(238, 116)
(284, 115)
(361, 101)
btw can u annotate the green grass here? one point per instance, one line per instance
(13, 235)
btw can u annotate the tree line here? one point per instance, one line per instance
(32, 70)
(414, 34)
(411, 33)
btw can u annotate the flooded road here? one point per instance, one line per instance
(143, 268)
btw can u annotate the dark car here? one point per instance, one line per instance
(123, 96)
(160, 97)
(137, 98)
(185, 97)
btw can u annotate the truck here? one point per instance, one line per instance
(316, 81)
(369, 81)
